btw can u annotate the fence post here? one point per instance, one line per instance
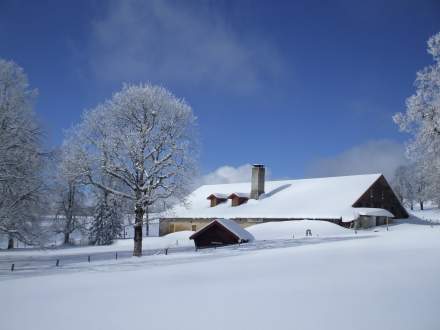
(58, 262)
(12, 267)
(88, 258)
(116, 255)
(166, 251)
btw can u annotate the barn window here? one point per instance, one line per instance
(171, 227)
(193, 227)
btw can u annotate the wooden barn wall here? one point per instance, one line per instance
(380, 195)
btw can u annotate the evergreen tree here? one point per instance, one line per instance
(107, 224)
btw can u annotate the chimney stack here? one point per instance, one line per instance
(257, 183)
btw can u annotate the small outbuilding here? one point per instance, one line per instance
(221, 232)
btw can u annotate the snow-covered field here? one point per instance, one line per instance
(376, 279)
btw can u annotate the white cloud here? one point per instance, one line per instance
(228, 174)
(162, 41)
(377, 156)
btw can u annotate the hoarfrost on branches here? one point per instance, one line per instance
(143, 138)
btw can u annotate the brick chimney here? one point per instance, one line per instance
(257, 182)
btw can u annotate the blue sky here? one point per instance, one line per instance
(306, 87)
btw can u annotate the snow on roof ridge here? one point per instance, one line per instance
(285, 180)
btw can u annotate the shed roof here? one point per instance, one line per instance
(318, 198)
(230, 225)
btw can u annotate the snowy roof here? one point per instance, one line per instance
(232, 226)
(320, 198)
(373, 212)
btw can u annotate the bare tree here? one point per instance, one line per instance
(143, 138)
(21, 156)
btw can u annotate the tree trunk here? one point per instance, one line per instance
(147, 224)
(137, 251)
(421, 205)
(412, 206)
(10, 243)
(66, 238)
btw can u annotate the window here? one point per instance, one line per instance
(193, 227)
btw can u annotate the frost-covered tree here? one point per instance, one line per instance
(143, 138)
(422, 117)
(410, 184)
(107, 222)
(69, 196)
(420, 183)
(402, 185)
(21, 156)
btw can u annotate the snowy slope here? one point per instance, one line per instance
(386, 281)
(308, 198)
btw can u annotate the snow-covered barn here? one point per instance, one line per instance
(351, 201)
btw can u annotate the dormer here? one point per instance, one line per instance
(217, 199)
(238, 198)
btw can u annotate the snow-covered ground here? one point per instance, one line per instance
(376, 279)
(178, 239)
(291, 229)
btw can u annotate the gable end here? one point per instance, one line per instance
(381, 195)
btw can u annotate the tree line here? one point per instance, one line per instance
(133, 153)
